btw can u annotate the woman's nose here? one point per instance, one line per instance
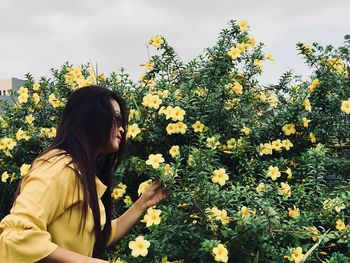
(121, 129)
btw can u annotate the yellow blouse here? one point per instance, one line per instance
(46, 214)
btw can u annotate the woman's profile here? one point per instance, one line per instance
(62, 212)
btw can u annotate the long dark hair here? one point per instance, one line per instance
(85, 128)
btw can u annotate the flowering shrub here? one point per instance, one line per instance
(256, 173)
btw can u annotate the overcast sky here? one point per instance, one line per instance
(36, 35)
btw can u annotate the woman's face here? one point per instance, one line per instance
(117, 132)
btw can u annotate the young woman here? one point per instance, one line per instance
(62, 212)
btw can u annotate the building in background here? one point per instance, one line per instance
(9, 88)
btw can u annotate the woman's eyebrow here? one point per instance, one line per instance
(117, 114)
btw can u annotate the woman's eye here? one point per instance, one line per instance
(118, 120)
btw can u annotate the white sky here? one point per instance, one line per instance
(36, 35)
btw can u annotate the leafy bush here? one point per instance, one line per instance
(256, 173)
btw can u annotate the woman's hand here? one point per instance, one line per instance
(152, 196)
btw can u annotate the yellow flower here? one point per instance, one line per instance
(289, 173)
(289, 129)
(21, 135)
(260, 188)
(243, 25)
(340, 225)
(133, 114)
(231, 103)
(213, 212)
(285, 190)
(174, 151)
(201, 92)
(157, 41)
(178, 94)
(127, 200)
(307, 105)
(261, 96)
(23, 98)
(54, 101)
(312, 137)
(231, 143)
(198, 126)
(241, 47)
(246, 131)
(212, 142)
(172, 128)
(148, 83)
(223, 217)
(234, 53)
(51, 133)
(101, 77)
(314, 232)
(143, 186)
(306, 122)
(237, 88)
(3, 123)
(251, 41)
(269, 56)
(148, 65)
(151, 101)
(36, 86)
(265, 148)
(177, 114)
(139, 247)
(273, 172)
(337, 64)
(219, 176)
(168, 111)
(69, 79)
(244, 212)
(168, 170)
(152, 217)
(314, 84)
(293, 213)
(345, 106)
(4, 177)
(119, 191)
(22, 90)
(308, 49)
(133, 131)
(182, 127)
(297, 254)
(165, 93)
(258, 64)
(218, 214)
(273, 101)
(7, 143)
(277, 145)
(287, 144)
(190, 160)
(30, 119)
(25, 169)
(36, 98)
(154, 160)
(23, 95)
(221, 253)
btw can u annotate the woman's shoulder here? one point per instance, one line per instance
(55, 162)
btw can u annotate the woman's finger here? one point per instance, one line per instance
(155, 185)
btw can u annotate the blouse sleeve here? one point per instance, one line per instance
(23, 233)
